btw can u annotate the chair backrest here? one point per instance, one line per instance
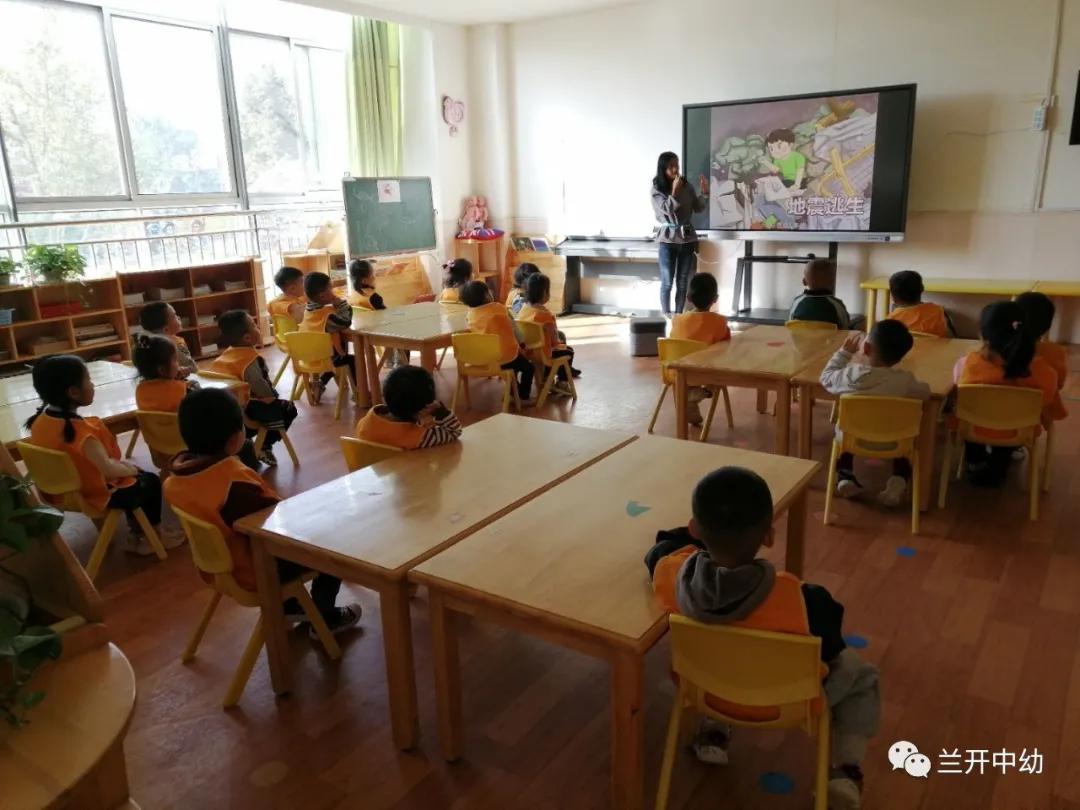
(161, 431)
(479, 352)
(424, 299)
(748, 667)
(1012, 411)
(283, 325)
(359, 453)
(533, 334)
(217, 375)
(673, 349)
(311, 351)
(211, 555)
(53, 471)
(879, 426)
(823, 325)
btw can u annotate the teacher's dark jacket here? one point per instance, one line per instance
(674, 212)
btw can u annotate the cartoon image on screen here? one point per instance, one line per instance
(796, 164)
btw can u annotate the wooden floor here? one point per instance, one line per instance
(974, 626)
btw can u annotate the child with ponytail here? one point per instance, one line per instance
(457, 273)
(64, 385)
(1007, 357)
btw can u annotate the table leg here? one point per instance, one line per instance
(363, 389)
(806, 420)
(871, 308)
(796, 535)
(627, 737)
(681, 390)
(927, 440)
(762, 400)
(886, 299)
(427, 358)
(400, 674)
(447, 675)
(273, 616)
(374, 388)
(783, 417)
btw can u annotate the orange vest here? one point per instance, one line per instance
(160, 395)
(234, 361)
(1057, 356)
(492, 319)
(977, 370)
(708, 327)
(358, 300)
(542, 316)
(450, 295)
(282, 304)
(315, 321)
(202, 495)
(375, 427)
(923, 317)
(48, 432)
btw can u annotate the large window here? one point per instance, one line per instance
(322, 105)
(56, 102)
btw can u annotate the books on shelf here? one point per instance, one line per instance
(97, 341)
(134, 299)
(165, 293)
(209, 348)
(233, 286)
(94, 330)
(201, 289)
(43, 344)
(207, 320)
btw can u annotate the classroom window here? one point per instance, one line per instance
(270, 135)
(56, 102)
(322, 107)
(173, 100)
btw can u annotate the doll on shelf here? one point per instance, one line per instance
(473, 223)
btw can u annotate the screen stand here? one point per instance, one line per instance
(741, 308)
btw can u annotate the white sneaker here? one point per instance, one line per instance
(138, 545)
(172, 537)
(1019, 454)
(712, 742)
(895, 492)
(844, 794)
(848, 488)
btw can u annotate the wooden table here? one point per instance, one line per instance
(425, 328)
(762, 357)
(931, 360)
(1003, 287)
(71, 754)
(371, 526)
(114, 404)
(582, 582)
(20, 388)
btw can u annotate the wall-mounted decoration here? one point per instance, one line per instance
(453, 113)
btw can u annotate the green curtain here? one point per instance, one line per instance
(374, 90)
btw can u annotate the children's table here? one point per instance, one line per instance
(582, 583)
(20, 388)
(371, 526)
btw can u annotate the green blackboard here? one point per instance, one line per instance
(377, 226)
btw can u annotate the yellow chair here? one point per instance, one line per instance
(878, 427)
(477, 355)
(212, 557)
(752, 668)
(283, 325)
(260, 430)
(312, 354)
(822, 325)
(54, 474)
(359, 453)
(672, 350)
(161, 432)
(546, 375)
(1012, 414)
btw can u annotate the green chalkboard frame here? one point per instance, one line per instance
(375, 228)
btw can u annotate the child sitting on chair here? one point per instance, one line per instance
(873, 373)
(242, 361)
(210, 483)
(327, 313)
(159, 318)
(161, 386)
(710, 572)
(906, 289)
(491, 318)
(362, 276)
(291, 301)
(537, 294)
(1039, 316)
(700, 323)
(458, 273)
(817, 302)
(412, 417)
(516, 299)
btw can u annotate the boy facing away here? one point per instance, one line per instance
(906, 289)
(817, 302)
(711, 573)
(211, 483)
(491, 318)
(868, 367)
(291, 301)
(412, 417)
(327, 313)
(699, 322)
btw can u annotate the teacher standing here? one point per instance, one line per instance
(675, 202)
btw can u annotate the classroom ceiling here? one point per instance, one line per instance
(477, 12)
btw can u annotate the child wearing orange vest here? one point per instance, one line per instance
(210, 483)
(491, 318)
(906, 289)
(700, 323)
(458, 273)
(291, 302)
(159, 318)
(1039, 315)
(711, 573)
(517, 298)
(107, 481)
(242, 360)
(1007, 357)
(412, 417)
(363, 296)
(537, 294)
(328, 313)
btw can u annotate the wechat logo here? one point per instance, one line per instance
(904, 755)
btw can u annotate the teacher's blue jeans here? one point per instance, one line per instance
(677, 264)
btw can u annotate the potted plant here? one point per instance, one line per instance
(53, 264)
(8, 266)
(26, 641)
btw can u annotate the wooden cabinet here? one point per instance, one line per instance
(488, 258)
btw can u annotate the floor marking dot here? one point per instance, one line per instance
(776, 783)
(905, 551)
(856, 642)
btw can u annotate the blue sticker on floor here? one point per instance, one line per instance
(634, 509)
(776, 783)
(905, 551)
(856, 642)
